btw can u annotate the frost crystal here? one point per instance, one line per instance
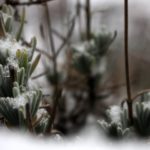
(19, 101)
(10, 46)
(114, 113)
(41, 112)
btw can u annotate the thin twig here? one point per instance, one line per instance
(67, 38)
(126, 52)
(17, 3)
(88, 19)
(136, 96)
(50, 31)
(24, 42)
(79, 18)
(60, 36)
(40, 75)
(141, 93)
(129, 99)
(56, 96)
(45, 53)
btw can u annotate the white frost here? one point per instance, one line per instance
(19, 101)
(10, 46)
(114, 113)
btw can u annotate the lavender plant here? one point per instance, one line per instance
(135, 117)
(118, 125)
(19, 104)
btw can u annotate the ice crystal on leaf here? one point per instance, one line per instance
(19, 105)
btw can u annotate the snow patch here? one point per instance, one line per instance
(114, 113)
(9, 46)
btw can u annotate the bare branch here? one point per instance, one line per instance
(37, 49)
(88, 19)
(67, 38)
(40, 75)
(127, 72)
(58, 34)
(16, 3)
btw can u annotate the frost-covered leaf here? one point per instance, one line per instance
(142, 119)
(8, 112)
(33, 47)
(18, 36)
(35, 63)
(113, 129)
(2, 27)
(35, 102)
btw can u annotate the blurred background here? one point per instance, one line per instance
(105, 14)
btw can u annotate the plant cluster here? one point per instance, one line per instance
(84, 76)
(118, 123)
(19, 103)
(23, 107)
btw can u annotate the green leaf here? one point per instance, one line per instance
(8, 112)
(21, 76)
(33, 47)
(10, 10)
(35, 102)
(35, 63)
(16, 92)
(2, 26)
(21, 115)
(8, 25)
(4, 8)
(22, 57)
(18, 54)
(18, 36)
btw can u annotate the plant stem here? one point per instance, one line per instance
(56, 98)
(56, 95)
(29, 118)
(78, 7)
(88, 19)
(17, 3)
(129, 99)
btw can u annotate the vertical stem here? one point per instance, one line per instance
(56, 93)
(50, 31)
(88, 19)
(29, 118)
(79, 18)
(129, 99)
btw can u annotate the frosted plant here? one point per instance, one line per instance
(19, 105)
(89, 55)
(118, 125)
(89, 61)
(114, 129)
(117, 122)
(86, 64)
(142, 116)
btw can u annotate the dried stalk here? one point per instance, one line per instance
(127, 72)
(56, 95)
(17, 3)
(24, 42)
(88, 19)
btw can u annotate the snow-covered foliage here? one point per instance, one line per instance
(19, 105)
(117, 124)
(87, 57)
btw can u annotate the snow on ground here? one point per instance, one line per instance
(87, 140)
